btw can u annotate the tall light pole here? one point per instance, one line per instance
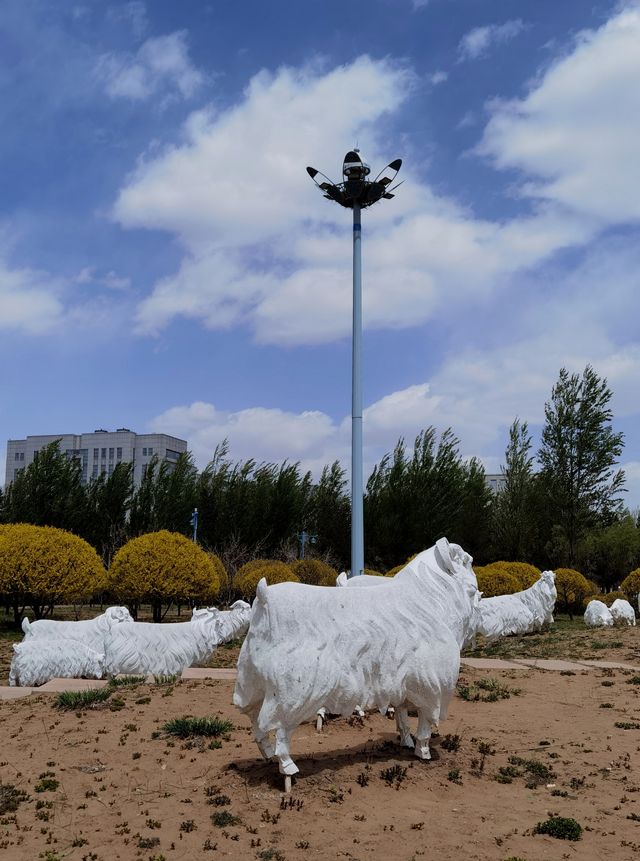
(357, 192)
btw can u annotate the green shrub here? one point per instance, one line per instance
(561, 827)
(494, 581)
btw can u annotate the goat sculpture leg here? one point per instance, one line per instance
(283, 742)
(423, 735)
(265, 745)
(402, 723)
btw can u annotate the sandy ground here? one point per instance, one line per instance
(123, 794)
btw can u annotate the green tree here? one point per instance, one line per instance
(166, 496)
(513, 522)
(607, 555)
(330, 514)
(108, 500)
(578, 453)
(48, 492)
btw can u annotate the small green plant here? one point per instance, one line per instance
(487, 690)
(78, 700)
(116, 704)
(188, 826)
(533, 767)
(148, 842)
(454, 776)
(560, 793)
(164, 680)
(126, 681)
(561, 827)
(627, 724)
(394, 774)
(270, 854)
(634, 680)
(362, 779)
(224, 818)
(10, 798)
(302, 844)
(606, 705)
(607, 684)
(189, 727)
(47, 784)
(506, 773)
(153, 823)
(450, 742)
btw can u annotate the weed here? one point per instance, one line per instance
(127, 681)
(270, 854)
(188, 727)
(567, 673)
(75, 700)
(538, 771)
(606, 705)
(208, 846)
(394, 774)
(219, 800)
(561, 793)
(607, 684)
(634, 816)
(450, 742)
(116, 704)
(454, 776)
(363, 779)
(336, 796)
(223, 818)
(627, 725)
(598, 644)
(148, 842)
(291, 803)
(506, 773)
(47, 784)
(417, 826)
(188, 826)
(162, 680)
(153, 823)
(142, 701)
(302, 844)
(634, 680)
(492, 688)
(136, 755)
(560, 827)
(216, 744)
(79, 841)
(265, 816)
(10, 798)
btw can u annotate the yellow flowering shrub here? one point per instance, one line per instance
(221, 571)
(609, 597)
(372, 573)
(315, 572)
(572, 588)
(41, 566)
(631, 586)
(393, 571)
(494, 581)
(248, 577)
(161, 567)
(525, 574)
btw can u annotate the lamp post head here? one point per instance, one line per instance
(356, 189)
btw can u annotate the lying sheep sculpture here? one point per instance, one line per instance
(37, 660)
(522, 612)
(598, 615)
(397, 644)
(145, 648)
(91, 632)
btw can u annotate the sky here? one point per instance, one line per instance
(167, 265)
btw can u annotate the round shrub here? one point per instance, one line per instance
(494, 581)
(41, 566)
(609, 597)
(221, 571)
(248, 577)
(631, 585)
(315, 572)
(161, 567)
(525, 574)
(560, 827)
(572, 589)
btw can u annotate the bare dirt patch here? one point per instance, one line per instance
(108, 783)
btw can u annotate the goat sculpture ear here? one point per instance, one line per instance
(443, 555)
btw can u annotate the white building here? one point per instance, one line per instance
(495, 481)
(99, 451)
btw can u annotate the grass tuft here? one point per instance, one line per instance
(190, 727)
(76, 700)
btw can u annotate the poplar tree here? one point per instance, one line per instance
(578, 454)
(513, 520)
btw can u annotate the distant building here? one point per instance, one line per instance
(98, 452)
(495, 481)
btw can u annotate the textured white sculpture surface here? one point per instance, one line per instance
(397, 644)
(91, 632)
(143, 648)
(598, 615)
(37, 660)
(622, 612)
(520, 613)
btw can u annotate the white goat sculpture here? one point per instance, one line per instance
(396, 644)
(91, 632)
(143, 648)
(622, 612)
(37, 660)
(520, 613)
(598, 615)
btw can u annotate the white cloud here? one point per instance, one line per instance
(111, 280)
(577, 132)
(477, 42)
(438, 77)
(29, 300)
(161, 64)
(261, 244)
(134, 13)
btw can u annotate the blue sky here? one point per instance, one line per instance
(166, 264)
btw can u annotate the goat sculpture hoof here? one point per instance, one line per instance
(422, 750)
(288, 767)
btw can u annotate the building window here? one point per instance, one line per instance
(96, 452)
(17, 455)
(104, 453)
(150, 450)
(144, 452)
(110, 454)
(21, 455)
(119, 453)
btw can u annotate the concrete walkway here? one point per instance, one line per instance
(55, 686)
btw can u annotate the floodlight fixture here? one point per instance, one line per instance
(357, 192)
